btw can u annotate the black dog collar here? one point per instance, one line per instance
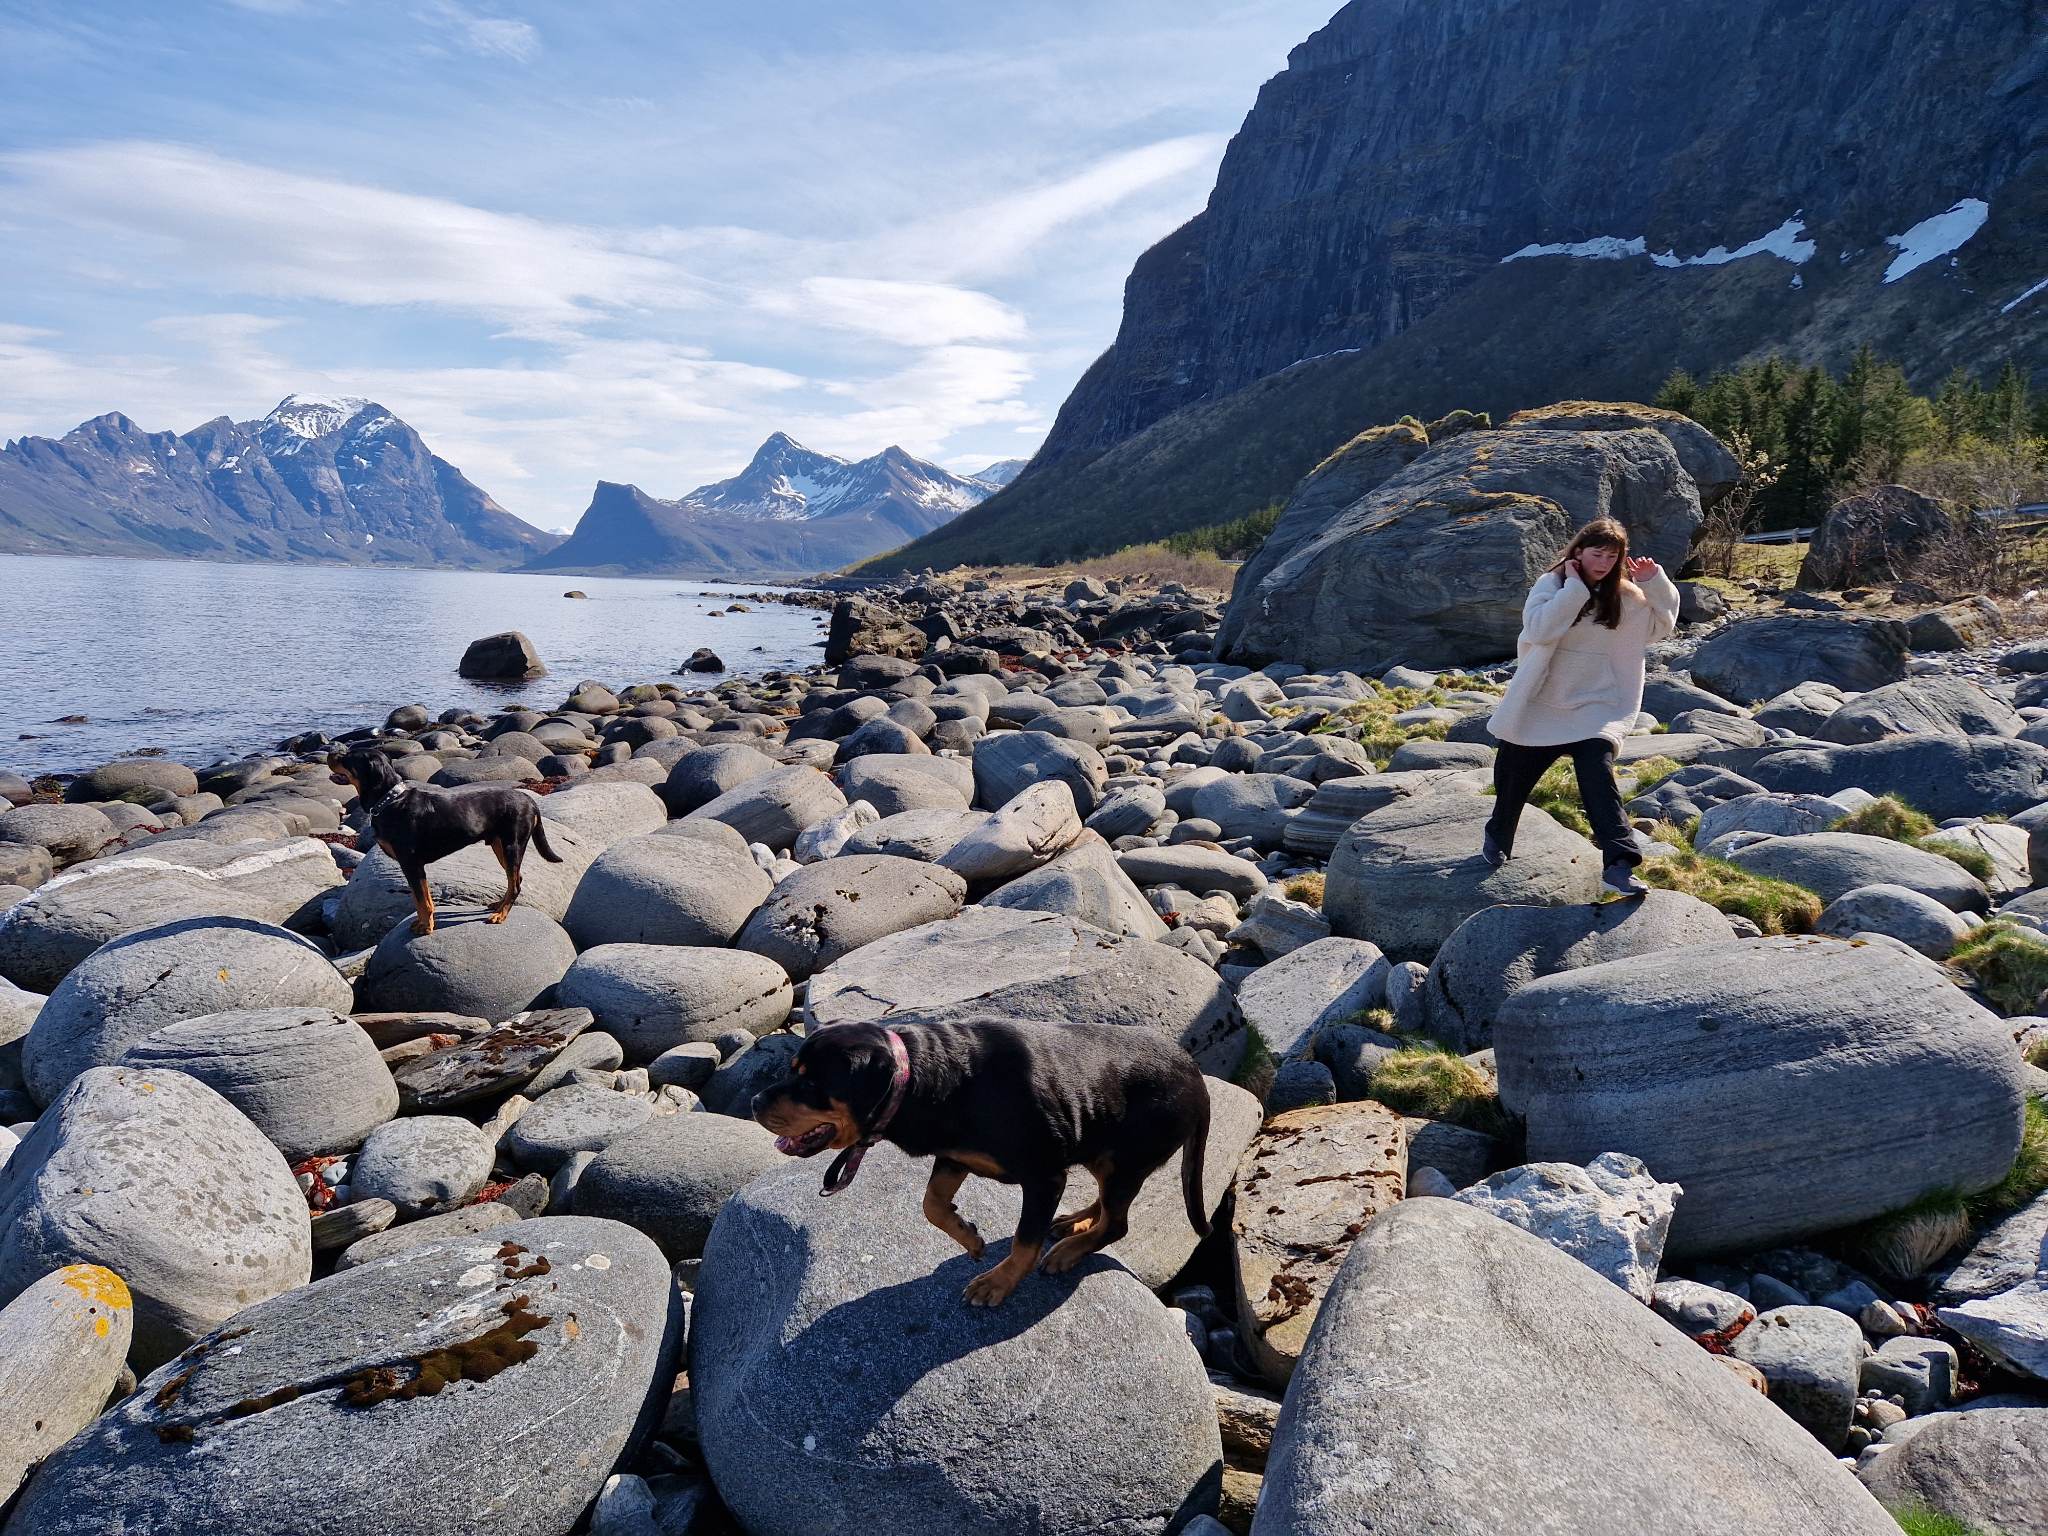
(847, 1163)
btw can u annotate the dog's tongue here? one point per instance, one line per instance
(813, 1140)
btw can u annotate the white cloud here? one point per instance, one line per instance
(492, 36)
(910, 314)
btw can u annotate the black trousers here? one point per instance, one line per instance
(1516, 769)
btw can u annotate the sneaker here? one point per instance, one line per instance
(1490, 850)
(1621, 879)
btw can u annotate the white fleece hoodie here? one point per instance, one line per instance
(1577, 679)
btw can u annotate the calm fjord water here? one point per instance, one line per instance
(209, 661)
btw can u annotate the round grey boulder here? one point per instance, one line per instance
(1755, 659)
(600, 814)
(67, 833)
(1938, 703)
(654, 997)
(64, 1343)
(422, 1163)
(571, 1119)
(775, 806)
(308, 1078)
(670, 1176)
(666, 889)
(968, 1420)
(1942, 776)
(1497, 951)
(469, 966)
(566, 1328)
(506, 657)
(26, 865)
(1710, 1457)
(894, 784)
(1909, 916)
(115, 780)
(829, 909)
(701, 776)
(1984, 1468)
(1008, 762)
(989, 962)
(1407, 875)
(1831, 864)
(1789, 1085)
(134, 986)
(163, 1181)
(925, 835)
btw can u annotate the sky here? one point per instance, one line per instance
(606, 239)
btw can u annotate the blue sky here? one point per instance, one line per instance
(616, 240)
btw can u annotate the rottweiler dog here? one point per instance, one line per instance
(419, 823)
(1020, 1103)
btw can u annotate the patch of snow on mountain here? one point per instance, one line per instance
(2008, 308)
(1600, 248)
(315, 415)
(1938, 236)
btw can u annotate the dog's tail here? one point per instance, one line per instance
(540, 840)
(1191, 1167)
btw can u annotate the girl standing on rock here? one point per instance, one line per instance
(1577, 688)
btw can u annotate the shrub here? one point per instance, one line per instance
(1890, 817)
(2008, 963)
(2028, 1175)
(1234, 540)
(1775, 906)
(1436, 1083)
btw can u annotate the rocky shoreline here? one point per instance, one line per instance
(1712, 1212)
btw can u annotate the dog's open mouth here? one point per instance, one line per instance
(803, 1144)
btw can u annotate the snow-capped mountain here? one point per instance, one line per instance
(334, 480)
(999, 474)
(791, 512)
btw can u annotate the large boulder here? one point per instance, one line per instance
(602, 813)
(468, 882)
(1713, 468)
(1789, 1085)
(1084, 881)
(1943, 776)
(1983, 1469)
(62, 922)
(566, 1328)
(700, 777)
(469, 966)
(508, 657)
(1936, 705)
(925, 834)
(1406, 876)
(842, 1384)
(68, 833)
(654, 997)
(1755, 659)
(670, 1176)
(138, 984)
(829, 909)
(1199, 867)
(63, 1347)
(1324, 982)
(1610, 1215)
(1436, 561)
(1006, 763)
(666, 889)
(1496, 952)
(163, 1181)
(893, 785)
(1878, 535)
(1019, 836)
(422, 1163)
(25, 865)
(992, 963)
(308, 1078)
(1465, 1315)
(773, 807)
(1831, 864)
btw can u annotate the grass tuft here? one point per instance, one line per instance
(1890, 817)
(1907, 1243)
(1927, 1522)
(1648, 774)
(1256, 1068)
(2008, 963)
(1775, 906)
(2028, 1175)
(1436, 1083)
(1308, 888)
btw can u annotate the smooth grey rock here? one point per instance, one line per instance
(600, 814)
(307, 1078)
(1083, 881)
(571, 1119)
(489, 1063)
(1329, 813)
(464, 1221)
(466, 883)
(1832, 864)
(1128, 810)
(68, 833)
(1937, 703)
(1942, 776)
(467, 965)
(422, 1163)
(1499, 950)
(893, 785)
(1773, 815)
(1276, 926)
(339, 1226)
(163, 1181)
(61, 923)
(1708, 1456)
(669, 1176)
(1024, 833)
(1906, 915)
(2009, 1253)
(1696, 1309)
(1922, 1371)
(135, 985)
(961, 1419)
(28, 865)
(666, 888)
(593, 1051)
(832, 908)
(1320, 984)
(63, 1346)
(828, 838)
(772, 808)
(1610, 1215)
(1406, 876)
(653, 997)
(1008, 762)
(1759, 658)
(1253, 805)
(1813, 1359)
(988, 962)
(923, 834)
(701, 776)
(1195, 867)
(1985, 1468)
(2011, 1327)
(1789, 1085)
(246, 1431)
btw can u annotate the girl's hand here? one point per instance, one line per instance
(1570, 569)
(1641, 569)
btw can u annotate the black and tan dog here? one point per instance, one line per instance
(418, 823)
(1019, 1103)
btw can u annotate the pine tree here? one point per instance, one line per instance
(2007, 408)
(1958, 407)
(1679, 392)
(1801, 494)
(1852, 409)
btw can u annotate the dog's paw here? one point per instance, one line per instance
(497, 916)
(1066, 1254)
(991, 1289)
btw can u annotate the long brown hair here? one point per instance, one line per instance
(1605, 603)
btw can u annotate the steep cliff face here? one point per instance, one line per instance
(1498, 203)
(1411, 145)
